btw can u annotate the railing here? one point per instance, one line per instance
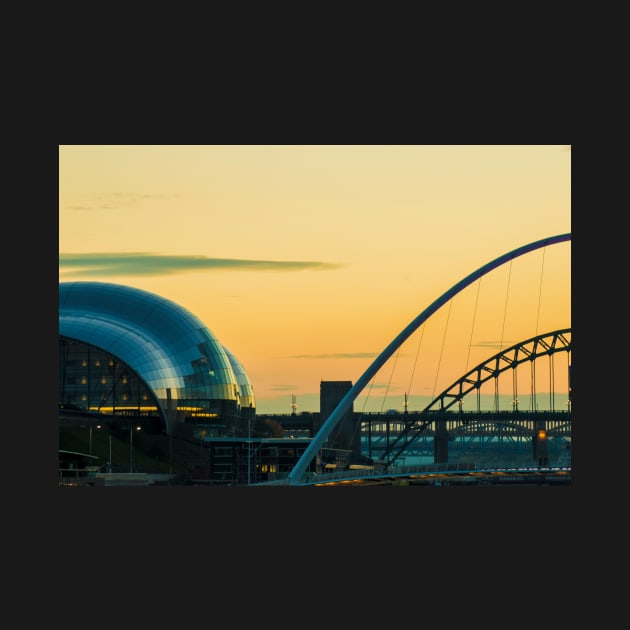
(85, 477)
(76, 476)
(428, 470)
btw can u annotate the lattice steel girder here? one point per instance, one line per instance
(551, 342)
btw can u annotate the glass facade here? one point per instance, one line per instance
(247, 399)
(125, 348)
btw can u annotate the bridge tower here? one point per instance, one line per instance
(440, 442)
(348, 435)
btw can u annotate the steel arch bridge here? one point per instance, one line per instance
(460, 424)
(455, 392)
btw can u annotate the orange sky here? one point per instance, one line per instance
(306, 261)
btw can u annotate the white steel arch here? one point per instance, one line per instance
(335, 417)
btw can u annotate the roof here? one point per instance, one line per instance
(164, 343)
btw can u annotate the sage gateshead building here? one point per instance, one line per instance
(128, 352)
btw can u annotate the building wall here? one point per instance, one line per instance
(347, 434)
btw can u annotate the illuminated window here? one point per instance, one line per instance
(103, 381)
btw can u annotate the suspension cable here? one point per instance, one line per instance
(413, 371)
(542, 270)
(472, 328)
(391, 376)
(507, 296)
(437, 373)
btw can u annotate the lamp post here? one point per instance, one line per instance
(131, 446)
(98, 426)
(249, 450)
(170, 451)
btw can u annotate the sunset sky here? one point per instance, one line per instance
(305, 261)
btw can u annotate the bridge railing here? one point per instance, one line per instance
(426, 469)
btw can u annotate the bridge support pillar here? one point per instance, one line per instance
(440, 442)
(539, 443)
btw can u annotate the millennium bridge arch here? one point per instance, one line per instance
(338, 413)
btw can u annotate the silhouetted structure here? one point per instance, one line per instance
(344, 445)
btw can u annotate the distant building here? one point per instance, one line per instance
(347, 434)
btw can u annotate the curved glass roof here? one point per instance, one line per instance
(168, 346)
(246, 389)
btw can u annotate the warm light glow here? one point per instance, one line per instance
(198, 412)
(123, 409)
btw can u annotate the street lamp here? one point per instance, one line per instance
(249, 450)
(98, 426)
(170, 450)
(109, 463)
(131, 446)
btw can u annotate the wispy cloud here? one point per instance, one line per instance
(336, 355)
(115, 201)
(148, 264)
(283, 388)
(494, 344)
